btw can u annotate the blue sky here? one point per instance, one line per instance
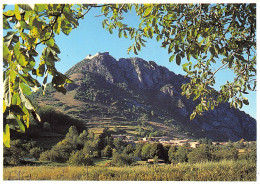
(90, 38)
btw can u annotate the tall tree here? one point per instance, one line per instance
(209, 33)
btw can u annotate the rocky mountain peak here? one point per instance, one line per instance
(142, 87)
(135, 71)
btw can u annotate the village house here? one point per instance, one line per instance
(159, 161)
(194, 144)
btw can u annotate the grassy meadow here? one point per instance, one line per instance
(240, 170)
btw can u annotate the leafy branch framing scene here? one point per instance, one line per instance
(202, 39)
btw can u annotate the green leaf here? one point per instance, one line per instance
(125, 34)
(185, 64)
(57, 26)
(24, 25)
(6, 24)
(212, 50)
(17, 49)
(148, 10)
(66, 27)
(33, 52)
(197, 96)
(11, 38)
(16, 99)
(25, 100)
(56, 48)
(171, 58)
(27, 38)
(44, 83)
(6, 136)
(120, 33)
(192, 116)
(40, 70)
(17, 12)
(50, 42)
(20, 58)
(12, 75)
(110, 29)
(150, 32)
(61, 89)
(9, 13)
(239, 104)
(4, 106)
(178, 59)
(138, 46)
(66, 30)
(25, 89)
(135, 51)
(72, 20)
(21, 125)
(5, 51)
(129, 49)
(26, 7)
(245, 101)
(41, 7)
(159, 37)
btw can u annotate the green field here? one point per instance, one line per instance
(241, 170)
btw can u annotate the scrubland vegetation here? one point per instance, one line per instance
(205, 171)
(88, 156)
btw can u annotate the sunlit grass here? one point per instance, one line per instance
(208, 171)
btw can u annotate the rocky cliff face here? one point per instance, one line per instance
(160, 91)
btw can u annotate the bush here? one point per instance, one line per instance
(181, 154)
(79, 158)
(17, 152)
(129, 149)
(225, 153)
(171, 153)
(121, 159)
(54, 156)
(200, 154)
(107, 152)
(35, 152)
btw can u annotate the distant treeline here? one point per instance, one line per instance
(83, 148)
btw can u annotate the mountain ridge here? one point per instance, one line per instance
(134, 88)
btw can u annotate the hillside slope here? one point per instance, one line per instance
(139, 97)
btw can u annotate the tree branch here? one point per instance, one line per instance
(112, 8)
(52, 26)
(84, 13)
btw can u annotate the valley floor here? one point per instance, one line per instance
(240, 170)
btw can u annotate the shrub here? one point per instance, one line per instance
(181, 154)
(107, 152)
(171, 153)
(79, 158)
(121, 159)
(200, 154)
(129, 149)
(225, 153)
(16, 152)
(145, 153)
(35, 152)
(54, 156)
(83, 137)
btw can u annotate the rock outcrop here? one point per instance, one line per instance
(161, 90)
